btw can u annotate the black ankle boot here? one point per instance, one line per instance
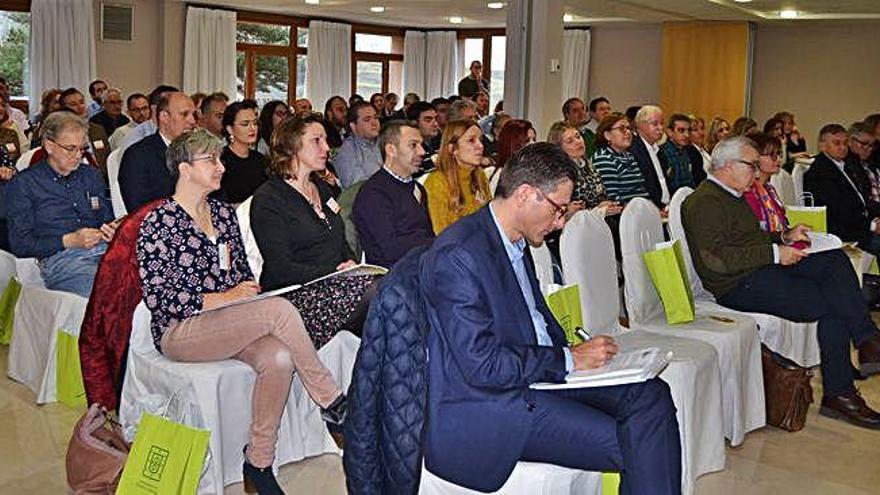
(259, 480)
(334, 417)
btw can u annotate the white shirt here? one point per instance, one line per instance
(653, 149)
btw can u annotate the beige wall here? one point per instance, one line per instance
(625, 63)
(821, 71)
(139, 65)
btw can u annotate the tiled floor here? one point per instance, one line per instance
(827, 457)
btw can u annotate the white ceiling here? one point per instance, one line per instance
(475, 13)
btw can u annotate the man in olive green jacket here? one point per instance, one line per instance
(751, 270)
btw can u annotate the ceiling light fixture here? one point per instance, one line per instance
(495, 5)
(742, 1)
(455, 19)
(313, 2)
(377, 9)
(567, 18)
(788, 14)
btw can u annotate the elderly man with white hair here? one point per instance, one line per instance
(645, 149)
(751, 270)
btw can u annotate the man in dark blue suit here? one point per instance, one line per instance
(492, 336)
(143, 175)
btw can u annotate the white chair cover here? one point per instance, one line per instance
(39, 315)
(587, 251)
(255, 259)
(737, 343)
(527, 478)
(217, 396)
(797, 176)
(796, 341)
(114, 160)
(543, 267)
(24, 161)
(784, 185)
(493, 182)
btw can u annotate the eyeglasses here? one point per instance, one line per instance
(774, 156)
(560, 210)
(213, 158)
(869, 145)
(623, 129)
(70, 149)
(756, 165)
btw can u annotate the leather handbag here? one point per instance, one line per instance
(787, 391)
(96, 454)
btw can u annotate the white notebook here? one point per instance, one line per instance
(820, 241)
(634, 366)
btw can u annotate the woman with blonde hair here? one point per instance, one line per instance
(589, 191)
(718, 130)
(458, 187)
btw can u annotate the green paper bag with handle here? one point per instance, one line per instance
(7, 309)
(69, 388)
(610, 483)
(815, 217)
(565, 304)
(165, 458)
(669, 274)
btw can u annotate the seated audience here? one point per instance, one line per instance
(389, 109)
(681, 171)
(697, 150)
(245, 167)
(795, 144)
(589, 191)
(335, 111)
(473, 83)
(17, 116)
(719, 129)
(762, 197)
(110, 117)
(462, 109)
(49, 102)
(197, 99)
(873, 122)
(358, 157)
(425, 116)
(13, 142)
(491, 336)
(143, 175)
(138, 106)
(830, 180)
(7, 172)
(377, 100)
(192, 260)
(458, 186)
(492, 132)
(98, 141)
(774, 128)
(866, 172)
(515, 134)
(301, 235)
(618, 169)
(744, 126)
(271, 115)
(97, 88)
(748, 269)
(645, 149)
(481, 100)
(354, 99)
(391, 209)
(599, 108)
(301, 106)
(441, 105)
(212, 109)
(57, 211)
(149, 127)
(408, 100)
(574, 112)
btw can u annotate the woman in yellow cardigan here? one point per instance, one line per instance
(458, 187)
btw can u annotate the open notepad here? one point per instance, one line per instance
(354, 271)
(634, 366)
(820, 241)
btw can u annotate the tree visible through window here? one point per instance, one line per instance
(15, 29)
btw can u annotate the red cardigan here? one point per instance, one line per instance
(106, 327)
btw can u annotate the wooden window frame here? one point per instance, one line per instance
(252, 51)
(384, 58)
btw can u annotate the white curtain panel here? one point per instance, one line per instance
(414, 58)
(441, 74)
(209, 51)
(62, 46)
(329, 61)
(576, 63)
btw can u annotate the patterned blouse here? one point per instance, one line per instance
(179, 264)
(589, 187)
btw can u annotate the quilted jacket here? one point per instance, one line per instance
(388, 394)
(106, 327)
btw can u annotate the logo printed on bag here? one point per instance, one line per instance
(155, 464)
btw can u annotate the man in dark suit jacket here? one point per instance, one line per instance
(143, 174)
(645, 149)
(830, 180)
(492, 336)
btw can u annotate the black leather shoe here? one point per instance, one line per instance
(869, 356)
(259, 480)
(850, 407)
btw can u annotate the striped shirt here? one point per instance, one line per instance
(620, 173)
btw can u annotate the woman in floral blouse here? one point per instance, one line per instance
(192, 261)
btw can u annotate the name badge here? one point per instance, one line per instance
(95, 202)
(333, 205)
(99, 145)
(10, 147)
(223, 250)
(417, 192)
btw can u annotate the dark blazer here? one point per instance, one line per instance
(296, 245)
(847, 213)
(859, 175)
(642, 156)
(143, 175)
(483, 355)
(696, 159)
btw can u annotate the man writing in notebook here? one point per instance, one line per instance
(492, 336)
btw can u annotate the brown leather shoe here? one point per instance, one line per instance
(869, 356)
(850, 407)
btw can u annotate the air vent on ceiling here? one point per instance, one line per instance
(117, 22)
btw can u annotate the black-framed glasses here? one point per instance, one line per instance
(756, 165)
(213, 158)
(71, 149)
(623, 129)
(560, 210)
(863, 144)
